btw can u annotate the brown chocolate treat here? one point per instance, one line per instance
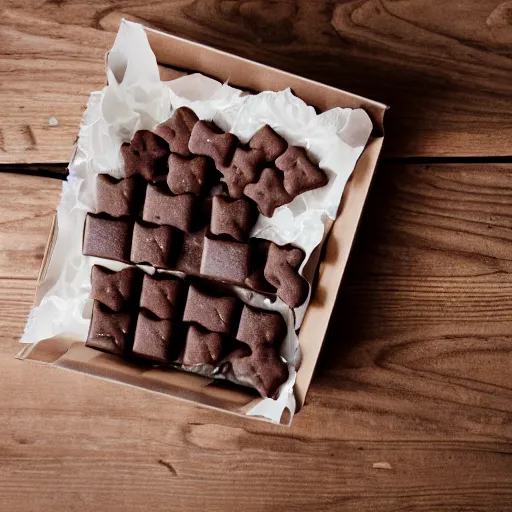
(233, 218)
(202, 347)
(115, 197)
(243, 169)
(177, 129)
(188, 175)
(163, 297)
(224, 259)
(258, 249)
(189, 260)
(155, 245)
(262, 369)
(114, 289)
(217, 314)
(110, 332)
(300, 174)
(268, 192)
(162, 208)
(107, 238)
(153, 338)
(268, 141)
(209, 140)
(281, 271)
(146, 155)
(260, 327)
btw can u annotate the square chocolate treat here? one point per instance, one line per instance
(157, 246)
(202, 347)
(164, 209)
(232, 218)
(163, 297)
(107, 238)
(261, 328)
(110, 332)
(153, 338)
(224, 259)
(217, 314)
(115, 197)
(116, 290)
(189, 260)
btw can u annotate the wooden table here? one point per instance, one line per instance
(411, 406)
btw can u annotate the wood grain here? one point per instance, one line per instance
(414, 377)
(444, 67)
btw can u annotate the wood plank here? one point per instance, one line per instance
(415, 373)
(444, 69)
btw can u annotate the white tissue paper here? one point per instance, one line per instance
(135, 99)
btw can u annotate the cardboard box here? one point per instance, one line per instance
(185, 55)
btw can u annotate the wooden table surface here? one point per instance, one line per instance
(411, 406)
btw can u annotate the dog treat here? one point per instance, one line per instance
(107, 238)
(164, 209)
(114, 289)
(202, 347)
(146, 155)
(152, 323)
(207, 139)
(260, 327)
(232, 218)
(262, 369)
(300, 174)
(281, 271)
(177, 129)
(110, 332)
(189, 175)
(269, 142)
(163, 297)
(268, 192)
(217, 314)
(153, 338)
(154, 245)
(245, 168)
(225, 260)
(115, 197)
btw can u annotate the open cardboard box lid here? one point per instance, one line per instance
(181, 54)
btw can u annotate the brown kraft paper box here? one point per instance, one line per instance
(182, 55)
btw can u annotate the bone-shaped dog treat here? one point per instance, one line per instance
(281, 271)
(300, 174)
(177, 129)
(269, 143)
(209, 140)
(268, 192)
(244, 169)
(189, 175)
(262, 369)
(146, 154)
